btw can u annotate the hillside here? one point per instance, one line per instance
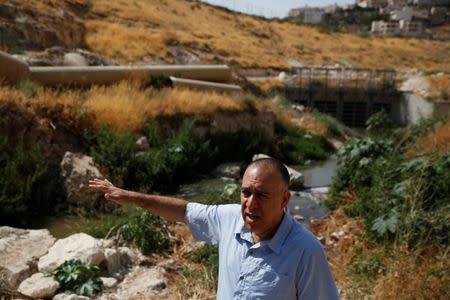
(159, 30)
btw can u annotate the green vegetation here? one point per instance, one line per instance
(147, 232)
(76, 277)
(182, 154)
(295, 145)
(21, 170)
(400, 199)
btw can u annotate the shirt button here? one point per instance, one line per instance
(251, 251)
(241, 278)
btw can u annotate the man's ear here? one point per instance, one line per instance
(286, 198)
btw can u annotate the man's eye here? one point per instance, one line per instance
(245, 193)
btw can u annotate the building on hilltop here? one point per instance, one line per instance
(371, 3)
(429, 3)
(404, 13)
(405, 28)
(308, 15)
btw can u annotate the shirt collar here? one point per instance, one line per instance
(276, 242)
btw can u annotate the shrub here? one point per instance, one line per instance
(21, 169)
(78, 278)
(295, 145)
(230, 195)
(209, 256)
(148, 232)
(113, 150)
(399, 200)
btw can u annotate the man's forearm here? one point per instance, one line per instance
(169, 208)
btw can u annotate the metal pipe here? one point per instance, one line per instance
(111, 74)
(204, 85)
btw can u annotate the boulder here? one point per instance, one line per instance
(39, 286)
(19, 251)
(77, 246)
(296, 180)
(229, 170)
(77, 169)
(108, 282)
(142, 144)
(73, 59)
(142, 283)
(64, 296)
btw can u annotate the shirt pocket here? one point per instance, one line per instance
(273, 284)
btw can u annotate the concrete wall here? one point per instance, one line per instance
(411, 110)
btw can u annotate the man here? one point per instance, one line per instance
(263, 252)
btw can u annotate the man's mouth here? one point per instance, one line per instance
(251, 217)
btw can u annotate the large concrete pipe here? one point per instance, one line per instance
(12, 70)
(204, 85)
(111, 74)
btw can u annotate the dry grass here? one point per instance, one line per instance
(437, 140)
(420, 274)
(440, 85)
(128, 30)
(124, 106)
(193, 280)
(269, 85)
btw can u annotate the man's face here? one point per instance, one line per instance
(263, 199)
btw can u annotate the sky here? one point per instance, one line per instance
(272, 8)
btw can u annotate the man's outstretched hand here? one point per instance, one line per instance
(112, 193)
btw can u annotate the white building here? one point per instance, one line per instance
(371, 3)
(405, 13)
(389, 28)
(308, 15)
(412, 28)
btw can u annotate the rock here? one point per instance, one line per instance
(24, 28)
(117, 260)
(142, 144)
(77, 169)
(74, 60)
(108, 282)
(77, 246)
(8, 11)
(39, 286)
(229, 170)
(19, 251)
(64, 296)
(142, 282)
(296, 180)
(282, 76)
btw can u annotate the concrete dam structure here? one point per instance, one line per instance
(349, 95)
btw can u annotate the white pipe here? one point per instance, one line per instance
(204, 85)
(111, 74)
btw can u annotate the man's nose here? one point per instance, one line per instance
(252, 201)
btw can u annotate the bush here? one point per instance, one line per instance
(295, 146)
(209, 256)
(148, 232)
(176, 157)
(230, 195)
(21, 169)
(113, 150)
(398, 199)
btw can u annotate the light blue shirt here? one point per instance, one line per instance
(292, 265)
